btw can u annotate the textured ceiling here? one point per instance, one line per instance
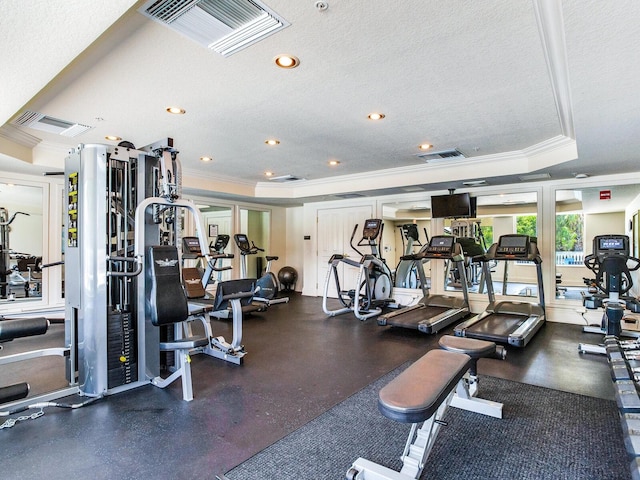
(493, 79)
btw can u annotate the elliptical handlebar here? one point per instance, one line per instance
(353, 234)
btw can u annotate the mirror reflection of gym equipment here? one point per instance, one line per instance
(21, 245)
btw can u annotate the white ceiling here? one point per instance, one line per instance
(519, 87)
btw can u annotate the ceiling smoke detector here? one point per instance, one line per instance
(225, 26)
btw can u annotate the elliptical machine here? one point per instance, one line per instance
(267, 284)
(373, 284)
(612, 264)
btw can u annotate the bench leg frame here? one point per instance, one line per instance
(415, 454)
(421, 440)
(465, 398)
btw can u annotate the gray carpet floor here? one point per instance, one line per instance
(545, 434)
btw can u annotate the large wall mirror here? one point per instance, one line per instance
(497, 215)
(582, 214)
(217, 222)
(256, 225)
(21, 240)
(407, 227)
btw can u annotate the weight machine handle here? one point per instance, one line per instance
(133, 273)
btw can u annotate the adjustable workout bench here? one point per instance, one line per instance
(422, 393)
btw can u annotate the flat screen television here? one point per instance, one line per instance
(453, 206)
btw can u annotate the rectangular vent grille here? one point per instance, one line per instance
(226, 26)
(349, 195)
(44, 123)
(285, 178)
(452, 154)
(534, 177)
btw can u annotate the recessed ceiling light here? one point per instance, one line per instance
(176, 110)
(375, 116)
(272, 142)
(333, 163)
(286, 61)
(268, 174)
(581, 175)
(113, 138)
(206, 159)
(425, 146)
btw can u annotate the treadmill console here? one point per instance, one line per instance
(513, 245)
(372, 228)
(441, 245)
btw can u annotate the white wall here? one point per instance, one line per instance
(295, 243)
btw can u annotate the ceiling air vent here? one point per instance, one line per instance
(42, 122)
(534, 177)
(349, 195)
(285, 178)
(452, 154)
(226, 26)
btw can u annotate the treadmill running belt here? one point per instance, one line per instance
(498, 325)
(411, 318)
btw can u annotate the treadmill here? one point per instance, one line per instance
(510, 322)
(434, 312)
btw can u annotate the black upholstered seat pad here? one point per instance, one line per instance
(473, 347)
(415, 394)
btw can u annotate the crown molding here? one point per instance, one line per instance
(550, 152)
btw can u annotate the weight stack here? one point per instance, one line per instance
(122, 367)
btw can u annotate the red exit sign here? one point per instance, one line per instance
(605, 194)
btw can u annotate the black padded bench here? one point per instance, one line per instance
(415, 394)
(422, 393)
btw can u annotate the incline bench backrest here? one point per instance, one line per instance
(168, 302)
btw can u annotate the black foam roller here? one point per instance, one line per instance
(22, 327)
(14, 392)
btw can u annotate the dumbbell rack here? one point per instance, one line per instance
(624, 360)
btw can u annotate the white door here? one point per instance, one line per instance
(335, 226)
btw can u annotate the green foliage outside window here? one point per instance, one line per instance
(569, 235)
(487, 233)
(527, 225)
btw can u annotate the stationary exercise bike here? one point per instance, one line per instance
(267, 284)
(612, 265)
(373, 284)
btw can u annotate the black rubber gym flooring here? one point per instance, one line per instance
(299, 364)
